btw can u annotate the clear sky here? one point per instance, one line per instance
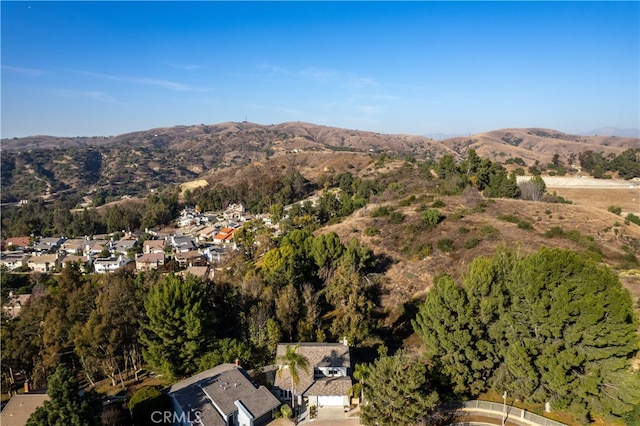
(106, 68)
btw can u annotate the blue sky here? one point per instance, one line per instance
(106, 68)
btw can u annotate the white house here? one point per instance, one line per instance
(109, 264)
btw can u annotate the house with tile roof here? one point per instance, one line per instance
(222, 396)
(327, 382)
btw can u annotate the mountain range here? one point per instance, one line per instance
(136, 162)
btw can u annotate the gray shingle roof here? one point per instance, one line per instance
(318, 355)
(222, 386)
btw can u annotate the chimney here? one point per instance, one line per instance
(26, 386)
(237, 362)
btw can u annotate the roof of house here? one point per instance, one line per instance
(17, 241)
(20, 407)
(186, 255)
(223, 385)
(44, 258)
(197, 271)
(318, 355)
(75, 244)
(329, 386)
(150, 258)
(154, 243)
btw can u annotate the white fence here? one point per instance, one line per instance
(513, 413)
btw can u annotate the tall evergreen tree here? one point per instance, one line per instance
(66, 407)
(550, 327)
(397, 392)
(178, 325)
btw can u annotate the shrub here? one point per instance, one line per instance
(615, 210)
(463, 230)
(381, 211)
(471, 243)
(438, 204)
(553, 232)
(396, 218)
(445, 245)
(480, 207)
(489, 231)
(633, 219)
(370, 232)
(145, 401)
(286, 411)
(509, 218)
(407, 201)
(431, 217)
(523, 224)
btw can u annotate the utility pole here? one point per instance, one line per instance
(504, 408)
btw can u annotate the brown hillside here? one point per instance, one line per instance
(537, 144)
(414, 267)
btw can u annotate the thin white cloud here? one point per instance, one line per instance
(186, 67)
(26, 71)
(274, 69)
(170, 85)
(87, 94)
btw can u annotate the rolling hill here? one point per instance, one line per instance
(136, 162)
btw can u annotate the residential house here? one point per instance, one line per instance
(44, 262)
(125, 245)
(95, 247)
(225, 236)
(20, 407)
(182, 243)
(109, 264)
(14, 260)
(17, 243)
(202, 272)
(74, 246)
(149, 261)
(153, 246)
(327, 382)
(190, 258)
(83, 261)
(48, 245)
(206, 234)
(222, 396)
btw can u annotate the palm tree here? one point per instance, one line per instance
(293, 361)
(361, 374)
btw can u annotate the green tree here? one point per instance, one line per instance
(453, 338)
(66, 407)
(397, 392)
(288, 308)
(178, 324)
(326, 250)
(550, 327)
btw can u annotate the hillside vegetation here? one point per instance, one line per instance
(105, 168)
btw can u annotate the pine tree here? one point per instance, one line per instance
(66, 407)
(178, 325)
(397, 392)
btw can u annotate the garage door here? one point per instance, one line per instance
(331, 400)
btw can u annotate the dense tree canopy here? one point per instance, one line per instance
(397, 392)
(66, 407)
(178, 325)
(550, 327)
